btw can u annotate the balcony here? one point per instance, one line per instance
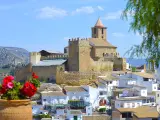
(78, 104)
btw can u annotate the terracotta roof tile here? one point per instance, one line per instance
(99, 23)
(140, 112)
(55, 93)
(74, 89)
(100, 43)
(97, 117)
(143, 74)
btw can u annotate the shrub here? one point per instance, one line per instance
(102, 109)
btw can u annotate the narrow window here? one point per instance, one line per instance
(102, 30)
(94, 30)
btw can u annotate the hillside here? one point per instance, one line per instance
(13, 56)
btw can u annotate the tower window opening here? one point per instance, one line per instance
(94, 30)
(102, 30)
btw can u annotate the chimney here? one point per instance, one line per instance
(144, 67)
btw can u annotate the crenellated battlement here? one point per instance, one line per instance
(51, 57)
(34, 53)
(79, 41)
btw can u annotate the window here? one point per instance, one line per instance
(110, 82)
(44, 99)
(122, 105)
(154, 118)
(128, 105)
(94, 30)
(143, 101)
(101, 93)
(133, 105)
(102, 31)
(124, 115)
(127, 115)
(157, 95)
(145, 79)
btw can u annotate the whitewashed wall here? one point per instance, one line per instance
(54, 100)
(128, 104)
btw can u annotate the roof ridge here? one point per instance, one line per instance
(99, 23)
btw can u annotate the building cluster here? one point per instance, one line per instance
(123, 95)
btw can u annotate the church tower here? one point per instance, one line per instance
(99, 31)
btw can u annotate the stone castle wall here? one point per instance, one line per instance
(99, 52)
(45, 72)
(76, 78)
(80, 78)
(79, 55)
(35, 57)
(23, 73)
(102, 66)
(120, 63)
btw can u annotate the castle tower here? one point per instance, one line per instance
(99, 30)
(79, 55)
(35, 57)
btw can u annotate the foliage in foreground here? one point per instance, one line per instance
(145, 19)
(42, 116)
(12, 90)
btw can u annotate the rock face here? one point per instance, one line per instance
(13, 56)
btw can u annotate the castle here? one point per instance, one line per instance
(81, 55)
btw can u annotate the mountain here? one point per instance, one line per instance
(13, 56)
(136, 62)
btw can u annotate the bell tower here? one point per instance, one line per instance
(99, 30)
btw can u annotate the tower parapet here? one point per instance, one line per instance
(79, 41)
(35, 57)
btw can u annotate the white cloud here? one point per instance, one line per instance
(51, 12)
(113, 15)
(117, 34)
(86, 9)
(100, 8)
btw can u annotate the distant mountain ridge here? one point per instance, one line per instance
(136, 62)
(13, 56)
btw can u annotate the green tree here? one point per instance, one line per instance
(145, 20)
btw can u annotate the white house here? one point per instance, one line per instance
(110, 82)
(147, 80)
(133, 102)
(54, 97)
(132, 97)
(36, 109)
(76, 93)
(60, 112)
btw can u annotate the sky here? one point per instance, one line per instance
(48, 24)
